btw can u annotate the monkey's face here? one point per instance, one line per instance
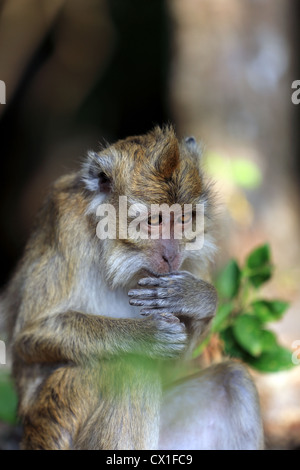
(154, 205)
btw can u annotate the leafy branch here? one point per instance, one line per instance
(242, 317)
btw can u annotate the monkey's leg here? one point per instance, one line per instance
(217, 409)
(126, 415)
(58, 410)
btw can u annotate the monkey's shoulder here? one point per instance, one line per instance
(66, 198)
(61, 220)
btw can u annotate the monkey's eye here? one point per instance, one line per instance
(185, 218)
(155, 219)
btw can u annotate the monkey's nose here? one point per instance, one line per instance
(169, 253)
(169, 258)
(172, 260)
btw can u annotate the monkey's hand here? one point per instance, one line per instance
(164, 336)
(180, 293)
(187, 297)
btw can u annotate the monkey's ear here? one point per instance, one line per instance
(194, 147)
(97, 172)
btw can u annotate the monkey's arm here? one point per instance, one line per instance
(79, 337)
(191, 299)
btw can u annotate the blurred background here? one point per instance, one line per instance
(80, 72)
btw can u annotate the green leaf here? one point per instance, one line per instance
(259, 257)
(258, 266)
(249, 334)
(267, 311)
(260, 278)
(268, 340)
(219, 321)
(278, 359)
(231, 346)
(8, 399)
(228, 281)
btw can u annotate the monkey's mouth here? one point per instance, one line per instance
(147, 272)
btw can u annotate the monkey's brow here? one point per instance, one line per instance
(146, 206)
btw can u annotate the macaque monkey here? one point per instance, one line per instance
(98, 323)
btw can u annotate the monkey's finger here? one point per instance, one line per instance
(149, 302)
(150, 293)
(149, 281)
(150, 311)
(155, 281)
(163, 280)
(143, 293)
